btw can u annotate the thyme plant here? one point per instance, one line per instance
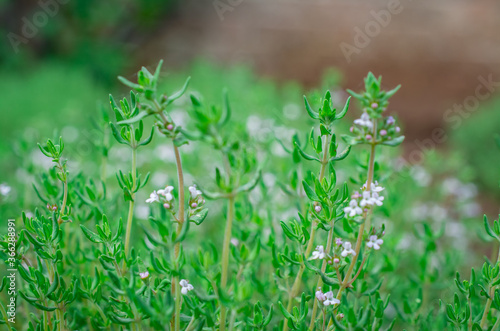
(211, 222)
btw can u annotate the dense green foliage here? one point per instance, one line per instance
(188, 206)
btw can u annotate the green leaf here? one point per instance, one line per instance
(342, 155)
(305, 155)
(53, 286)
(134, 119)
(312, 113)
(390, 93)
(350, 140)
(199, 217)
(226, 110)
(179, 93)
(149, 139)
(488, 229)
(327, 280)
(344, 110)
(288, 232)
(394, 142)
(267, 320)
(180, 140)
(310, 192)
(284, 311)
(156, 75)
(91, 235)
(128, 83)
(251, 184)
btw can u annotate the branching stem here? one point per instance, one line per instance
(298, 279)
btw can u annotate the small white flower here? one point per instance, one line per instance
(366, 200)
(186, 287)
(167, 193)
(144, 275)
(153, 197)
(330, 300)
(320, 295)
(319, 253)
(377, 199)
(194, 192)
(374, 242)
(235, 241)
(353, 209)
(374, 187)
(364, 121)
(348, 249)
(4, 189)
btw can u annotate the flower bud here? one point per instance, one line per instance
(166, 205)
(194, 205)
(368, 137)
(383, 132)
(170, 127)
(336, 260)
(374, 105)
(317, 208)
(398, 129)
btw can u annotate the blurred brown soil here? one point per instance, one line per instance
(435, 49)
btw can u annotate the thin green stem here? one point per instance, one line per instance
(65, 200)
(320, 280)
(298, 279)
(47, 324)
(177, 322)
(496, 326)
(225, 258)
(131, 205)
(371, 169)
(181, 218)
(190, 325)
(232, 320)
(469, 323)
(6, 317)
(101, 313)
(60, 320)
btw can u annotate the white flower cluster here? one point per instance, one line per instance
(374, 242)
(185, 286)
(364, 126)
(319, 252)
(195, 200)
(364, 120)
(327, 298)
(166, 197)
(347, 249)
(366, 198)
